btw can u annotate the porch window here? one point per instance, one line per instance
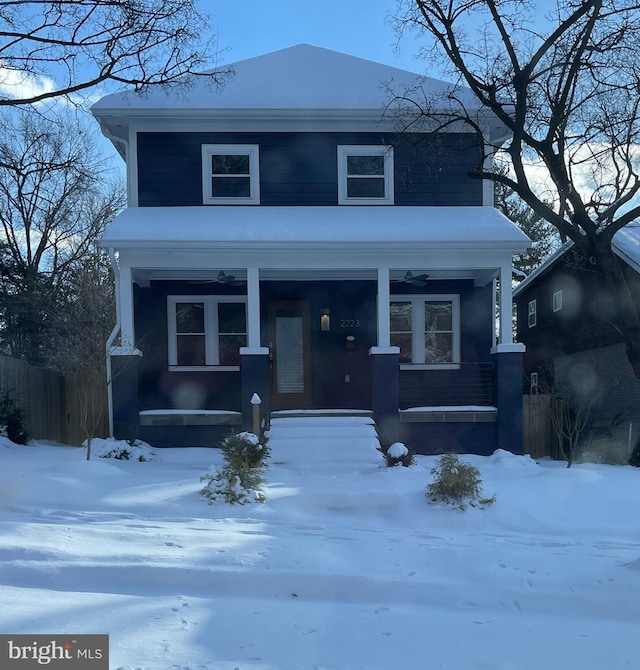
(206, 331)
(426, 328)
(365, 175)
(230, 174)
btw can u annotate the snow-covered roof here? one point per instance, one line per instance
(288, 243)
(439, 227)
(298, 77)
(625, 244)
(303, 86)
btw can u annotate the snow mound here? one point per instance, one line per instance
(507, 460)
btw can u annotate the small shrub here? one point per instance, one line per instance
(245, 450)
(122, 450)
(457, 484)
(398, 454)
(240, 480)
(13, 419)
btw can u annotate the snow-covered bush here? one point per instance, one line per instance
(398, 454)
(122, 450)
(240, 480)
(245, 450)
(13, 419)
(457, 484)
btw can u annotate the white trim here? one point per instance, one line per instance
(211, 330)
(506, 306)
(254, 351)
(346, 150)
(513, 348)
(132, 169)
(253, 308)
(125, 290)
(382, 351)
(418, 301)
(384, 318)
(250, 150)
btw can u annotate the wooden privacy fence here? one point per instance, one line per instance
(50, 401)
(539, 439)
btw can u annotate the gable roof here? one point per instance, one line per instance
(625, 244)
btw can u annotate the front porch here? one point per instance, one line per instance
(336, 316)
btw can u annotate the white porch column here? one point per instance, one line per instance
(506, 306)
(125, 292)
(253, 308)
(384, 318)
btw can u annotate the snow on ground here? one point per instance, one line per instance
(345, 567)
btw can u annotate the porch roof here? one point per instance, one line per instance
(314, 228)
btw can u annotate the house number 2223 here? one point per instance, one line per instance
(350, 323)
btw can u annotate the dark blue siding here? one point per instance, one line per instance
(301, 168)
(440, 438)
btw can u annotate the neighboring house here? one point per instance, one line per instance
(567, 319)
(284, 238)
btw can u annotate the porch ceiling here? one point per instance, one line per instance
(143, 276)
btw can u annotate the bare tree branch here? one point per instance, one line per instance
(57, 48)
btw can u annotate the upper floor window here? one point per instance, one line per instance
(427, 329)
(230, 174)
(206, 331)
(365, 175)
(557, 301)
(532, 313)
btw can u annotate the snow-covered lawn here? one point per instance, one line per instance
(345, 566)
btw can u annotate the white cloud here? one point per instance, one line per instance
(18, 84)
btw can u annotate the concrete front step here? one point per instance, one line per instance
(310, 441)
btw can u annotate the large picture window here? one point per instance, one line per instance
(365, 175)
(206, 331)
(230, 174)
(426, 328)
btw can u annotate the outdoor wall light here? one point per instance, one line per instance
(325, 319)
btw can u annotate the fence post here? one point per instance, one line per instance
(255, 406)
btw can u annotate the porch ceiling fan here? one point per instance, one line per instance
(222, 278)
(415, 280)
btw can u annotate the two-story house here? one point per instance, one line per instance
(284, 237)
(569, 322)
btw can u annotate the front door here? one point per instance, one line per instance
(289, 340)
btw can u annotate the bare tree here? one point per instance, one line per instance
(570, 410)
(64, 47)
(565, 85)
(544, 237)
(56, 196)
(88, 319)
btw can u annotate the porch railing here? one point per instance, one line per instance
(471, 384)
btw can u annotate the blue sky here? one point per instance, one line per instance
(357, 27)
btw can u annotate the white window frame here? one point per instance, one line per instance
(556, 300)
(417, 334)
(251, 150)
(532, 313)
(211, 330)
(346, 150)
